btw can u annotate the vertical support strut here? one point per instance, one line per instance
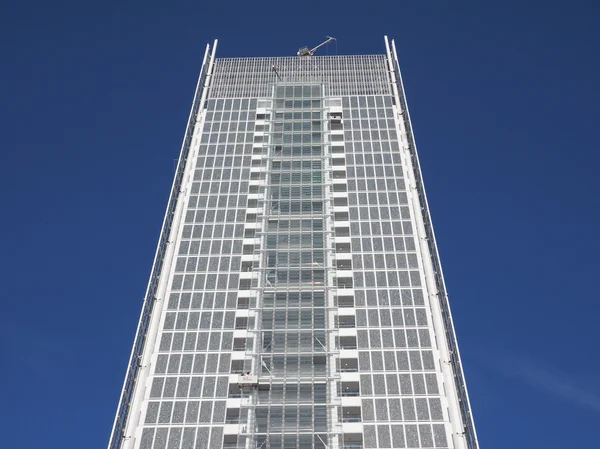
(461, 420)
(147, 330)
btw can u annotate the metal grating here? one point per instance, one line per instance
(342, 75)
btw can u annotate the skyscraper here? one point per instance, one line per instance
(296, 298)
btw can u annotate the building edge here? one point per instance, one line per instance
(465, 437)
(164, 252)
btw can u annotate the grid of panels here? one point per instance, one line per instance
(208, 261)
(190, 382)
(396, 357)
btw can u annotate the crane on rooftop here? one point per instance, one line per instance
(304, 51)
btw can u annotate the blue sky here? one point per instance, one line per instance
(504, 98)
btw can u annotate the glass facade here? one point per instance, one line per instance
(296, 299)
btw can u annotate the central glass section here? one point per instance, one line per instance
(291, 403)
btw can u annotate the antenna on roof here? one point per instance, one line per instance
(304, 51)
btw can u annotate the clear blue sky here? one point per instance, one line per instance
(505, 102)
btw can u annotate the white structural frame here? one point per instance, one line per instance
(463, 433)
(134, 385)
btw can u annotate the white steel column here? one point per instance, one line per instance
(436, 291)
(129, 436)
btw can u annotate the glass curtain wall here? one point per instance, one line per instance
(291, 409)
